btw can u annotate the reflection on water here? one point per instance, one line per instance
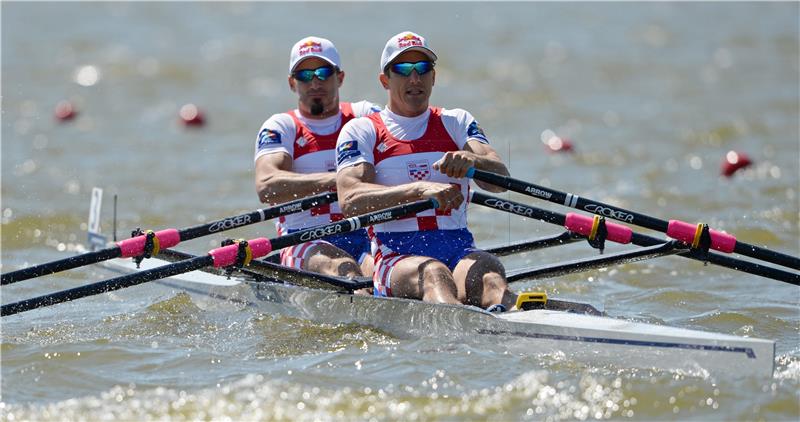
(652, 97)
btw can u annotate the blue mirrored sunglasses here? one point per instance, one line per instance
(306, 75)
(405, 68)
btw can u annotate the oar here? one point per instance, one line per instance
(676, 229)
(240, 253)
(618, 233)
(668, 248)
(278, 273)
(541, 243)
(152, 242)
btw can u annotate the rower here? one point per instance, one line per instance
(294, 157)
(411, 151)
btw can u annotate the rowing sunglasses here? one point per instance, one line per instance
(306, 75)
(405, 68)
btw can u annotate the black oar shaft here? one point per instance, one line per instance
(257, 216)
(569, 267)
(619, 214)
(222, 254)
(60, 265)
(545, 242)
(253, 217)
(107, 285)
(636, 239)
(273, 272)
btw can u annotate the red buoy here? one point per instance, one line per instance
(734, 161)
(557, 144)
(191, 115)
(65, 111)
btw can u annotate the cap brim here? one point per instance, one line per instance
(306, 57)
(426, 51)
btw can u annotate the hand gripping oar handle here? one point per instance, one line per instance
(222, 257)
(676, 229)
(576, 223)
(163, 239)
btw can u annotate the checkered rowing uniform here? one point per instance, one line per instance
(311, 145)
(403, 150)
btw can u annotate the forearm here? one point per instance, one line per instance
(488, 160)
(282, 186)
(369, 197)
(491, 163)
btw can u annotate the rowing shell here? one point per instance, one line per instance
(590, 338)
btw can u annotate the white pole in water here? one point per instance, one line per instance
(96, 240)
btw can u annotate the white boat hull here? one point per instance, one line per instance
(594, 339)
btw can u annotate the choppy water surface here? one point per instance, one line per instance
(652, 95)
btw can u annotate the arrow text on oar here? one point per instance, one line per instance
(150, 243)
(688, 233)
(584, 226)
(239, 253)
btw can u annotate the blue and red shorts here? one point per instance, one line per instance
(356, 244)
(446, 246)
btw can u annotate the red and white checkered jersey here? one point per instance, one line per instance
(311, 145)
(403, 150)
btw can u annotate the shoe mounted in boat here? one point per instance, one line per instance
(496, 308)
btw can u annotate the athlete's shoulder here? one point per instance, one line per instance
(279, 120)
(458, 114)
(364, 108)
(275, 130)
(359, 125)
(460, 119)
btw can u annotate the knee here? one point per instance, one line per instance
(436, 281)
(342, 266)
(435, 271)
(434, 275)
(494, 281)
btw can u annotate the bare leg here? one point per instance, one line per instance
(367, 265)
(419, 277)
(330, 260)
(367, 268)
(481, 281)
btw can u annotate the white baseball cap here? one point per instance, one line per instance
(402, 42)
(313, 47)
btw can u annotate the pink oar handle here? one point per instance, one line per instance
(689, 233)
(135, 245)
(583, 225)
(226, 255)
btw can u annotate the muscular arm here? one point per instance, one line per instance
(359, 194)
(489, 160)
(475, 154)
(276, 182)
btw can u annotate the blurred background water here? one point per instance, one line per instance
(652, 96)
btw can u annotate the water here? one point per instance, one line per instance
(653, 96)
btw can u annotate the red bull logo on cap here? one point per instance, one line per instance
(409, 40)
(309, 47)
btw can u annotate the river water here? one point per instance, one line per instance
(652, 96)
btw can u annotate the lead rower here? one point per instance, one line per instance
(411, 151)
